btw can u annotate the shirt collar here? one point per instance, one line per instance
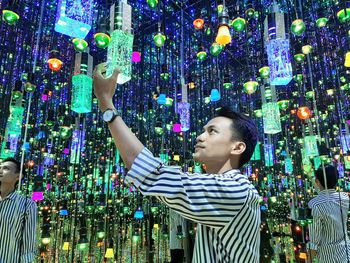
(232, 172)
(327, 191)
(11, 196)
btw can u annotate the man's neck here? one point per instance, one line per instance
(6, 190)
(219, 168)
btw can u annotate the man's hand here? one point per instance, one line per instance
(104, 88)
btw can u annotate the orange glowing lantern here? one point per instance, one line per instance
(198, 23)
(54, 62)
(304, 113)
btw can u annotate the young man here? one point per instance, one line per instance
(18, 216)
(329, 241)
(223, 202)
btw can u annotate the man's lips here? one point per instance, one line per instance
(199, 147)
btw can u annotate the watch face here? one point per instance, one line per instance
(107, 115)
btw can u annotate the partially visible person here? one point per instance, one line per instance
(176, 242)
(329, 241)
(18, 217)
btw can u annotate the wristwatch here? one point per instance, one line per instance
(109, 115)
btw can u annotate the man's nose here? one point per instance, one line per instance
(200, 138)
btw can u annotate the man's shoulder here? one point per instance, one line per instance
(25, 200)
(317, 201)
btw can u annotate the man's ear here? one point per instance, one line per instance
(238, 148)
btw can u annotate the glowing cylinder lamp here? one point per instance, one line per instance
(82, 93)
(279, 58)
(13, 140)
(347, 59)
(119, 55)
(10, 17)
(65, 246)
(161, 99)
(136, 57)
(257, 153)
(82, 84)
(109, 253)
(197, 168)
(164, 157)
(288, 165)
(347, 162)
(37, 196)
(271, 118)
(14, 122)
(310, 146)
(345, 142)
(78, 142)
(183, 108)
(74, 17)
(215, 95)
(268, 154)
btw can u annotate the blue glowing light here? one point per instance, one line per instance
(280, 63)
(74, 17)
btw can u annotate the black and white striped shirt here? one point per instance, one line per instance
(12, 213)
(328, 230)
(225, 206)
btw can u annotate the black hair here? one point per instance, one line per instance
(243, 128)
(18, 165)
(331, 176)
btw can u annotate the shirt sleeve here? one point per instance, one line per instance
(203, 198)
(29, 234)
(315, 229)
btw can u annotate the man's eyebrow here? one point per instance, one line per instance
(210, 126)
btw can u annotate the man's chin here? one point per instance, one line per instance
(197, 158)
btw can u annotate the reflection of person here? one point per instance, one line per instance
(223, 202)
(176, 245)
(328, 237)
(18, 216)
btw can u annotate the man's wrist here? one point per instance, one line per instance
(105, 106)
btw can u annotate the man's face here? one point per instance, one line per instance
(8, 173)
(215, 144)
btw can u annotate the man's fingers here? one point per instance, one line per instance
(99, 69)
(115, 74)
